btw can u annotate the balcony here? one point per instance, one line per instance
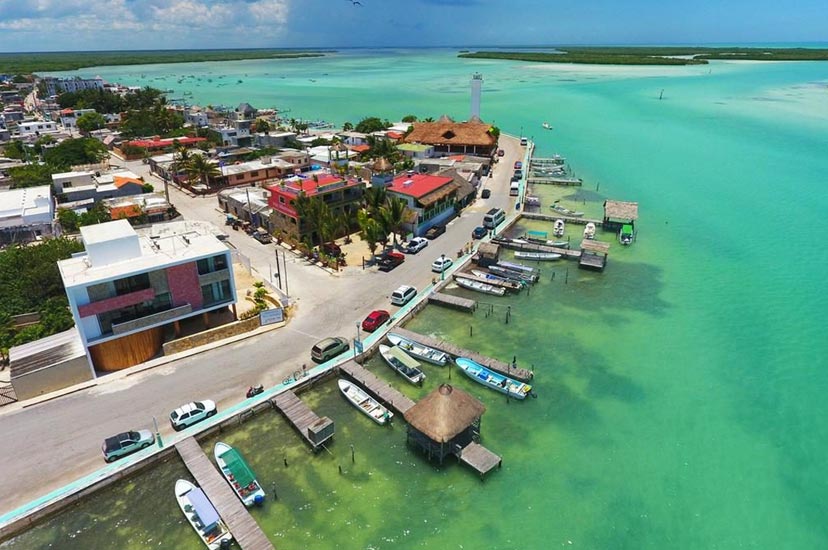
(214, 277)
(164, 316)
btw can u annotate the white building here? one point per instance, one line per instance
(128, 286)
(26, 214)
(36, 128)
(57, 85)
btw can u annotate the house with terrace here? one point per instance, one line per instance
(431, 199)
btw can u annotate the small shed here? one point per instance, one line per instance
(48, 364)
(487, 254)
(619, 213)
(593, 255)
(444, 422)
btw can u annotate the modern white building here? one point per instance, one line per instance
(36, 128)
(26, 214)
(127, 287)
(58, 85)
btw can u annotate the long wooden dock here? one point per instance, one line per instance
(244, 528)
(480, 458)
(507, 369)
(379, 388)
(568, 219)
(537, 247)
(552, 180)
(314, 429)
(454, 302)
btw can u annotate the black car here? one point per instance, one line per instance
(486, 193)
(479, 232)
(435, 232)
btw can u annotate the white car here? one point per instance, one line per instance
(415, 245)
(192, 413)
(125, 443)
(441, 264)
(403, 295)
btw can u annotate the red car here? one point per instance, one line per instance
(375, 319)
(518, 165)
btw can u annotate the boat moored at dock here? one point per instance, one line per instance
(479, 286)
(514, 275)
(493, 380)
(404, 364)
(238, 474)
(538, 256)
(589, 231)
(202, 515)
(558, 228)
(360, 399)
(418, 350)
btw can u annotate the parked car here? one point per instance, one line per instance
(403, 295)
(517, 175)
(192, 413)
(375, 319)
(390, 260)
(126, 443)
(441, 264)
(262, 236)
(435, 231)
(328, 348)
(415, 245)
(500, 152)
(479, 232)
(486, 193)
(518, 165)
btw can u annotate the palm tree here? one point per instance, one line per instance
(374, 198)
(393, 215)
(370, 230)
(347, 127)
(201, 170)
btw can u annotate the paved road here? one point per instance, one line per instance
(58, 441)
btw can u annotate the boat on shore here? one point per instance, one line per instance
(493, 380)
(505, 281)
(404, 364)
(514, 266)
(238, 474)
(589, 231)
(527, 278)
(566, 211)
(202, 515)
(558, 228)
(418, 350)
(360, 399)
(479, 286)
(538, 256)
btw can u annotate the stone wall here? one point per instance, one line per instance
(211, 335)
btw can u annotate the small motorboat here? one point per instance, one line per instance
(558, 228)
(589, 231)
(403, 363)
(418, 350)
(360, 399)
(565, 211)
(514, 275)
(538, 256)
(515, 266)
(626, 234)
(493, 380)
(238, 474)
(558, 244)
(546, 126)
(479, 286)
(202, 515)
(499, 279)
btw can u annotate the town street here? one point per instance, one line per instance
(53, 443)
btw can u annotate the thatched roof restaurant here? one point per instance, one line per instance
(454, 137)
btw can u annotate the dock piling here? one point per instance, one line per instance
(353, 458)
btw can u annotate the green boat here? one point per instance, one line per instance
(626, 234)
(238, 474)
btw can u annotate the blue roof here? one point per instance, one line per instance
(203, 507)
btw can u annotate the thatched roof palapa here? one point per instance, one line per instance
(444, 413)
(451, 133)
(382, 165)
(620, 210)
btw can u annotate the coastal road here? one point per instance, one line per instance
(50, 444)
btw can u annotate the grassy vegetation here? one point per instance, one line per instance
(655, 55)
(45, 62)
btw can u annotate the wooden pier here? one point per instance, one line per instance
(552, 180)
(567, 219)
(480, 458)
(507, 369)
(594, 255)
(537, 247)
(381, 389)
(314, 429)
(244, 528)
(454, 302)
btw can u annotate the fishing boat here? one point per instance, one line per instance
(493, 380)
(589, 231)
(364, 402)
(505, 281)
(566, 211)
(558, 244)
(514, 266)
(202, 515)
(531, 201)
(418, 350)
(626, 234)
(514, 275)
(403, 363)
(238, 474)
(546, 126)
(538, 256)
(479, 286)
(558, 228)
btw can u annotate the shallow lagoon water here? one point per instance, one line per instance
(680, 393)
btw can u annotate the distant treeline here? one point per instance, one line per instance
(655, 55)
(44, 62)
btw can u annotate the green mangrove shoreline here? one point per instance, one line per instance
(40, 62)
(654, 55)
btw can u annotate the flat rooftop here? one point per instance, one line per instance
(161, 245)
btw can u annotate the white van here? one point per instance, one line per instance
(514, 189)
(493, 218)
(403, 295)
(524, 142)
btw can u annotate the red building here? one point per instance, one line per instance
(431, 197)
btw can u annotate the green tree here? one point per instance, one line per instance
(201, 170)
(374, 198)
(409, 118)
(46, 139)
(95, 215)
(262, 126)
(30, 175)
(14, 150)
(392, 216)
(68, 219)
(89, 122)
(75, 151)
(370, 230)
(494, 131)
(347, 127)
(371, 124)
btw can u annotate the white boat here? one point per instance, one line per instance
(493, 380)
(514, 266)
(538, 256)
(589, 231)
(202, 515)
(531, 201)
(509, 283)
(558, 244)
(418, 350)
(403, 363)
(360, 399)
(514, 275)
(238, 474)
(566, 211)
(558, 228)
(546, 126)
(485, 288)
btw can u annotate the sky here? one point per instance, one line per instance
(61, 25)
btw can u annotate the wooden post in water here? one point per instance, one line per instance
(471, 331)
(508, 313)
(566, 282)
(353, 459)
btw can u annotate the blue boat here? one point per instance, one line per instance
(493, 380)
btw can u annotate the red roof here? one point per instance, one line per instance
(166, 142)
(67, 112)
(395, 135)
(421, 184)
(310, 187)
(360, 148)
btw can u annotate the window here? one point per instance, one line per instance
(131, 284)
(281, 200)
(214, 263)
(254, 173)
(217, 292)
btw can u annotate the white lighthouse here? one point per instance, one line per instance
(476, 86)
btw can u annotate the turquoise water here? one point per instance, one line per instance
(681, 392)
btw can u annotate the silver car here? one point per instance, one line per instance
(126, 443)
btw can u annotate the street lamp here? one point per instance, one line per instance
(157, 433)
(442, 266)
(356, 343)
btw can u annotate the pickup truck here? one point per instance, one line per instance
(391, 260)
(435, 232)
